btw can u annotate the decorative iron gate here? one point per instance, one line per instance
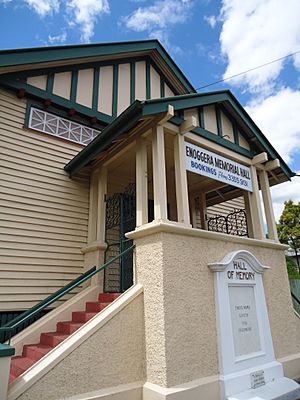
(120, 219)
(234, 223)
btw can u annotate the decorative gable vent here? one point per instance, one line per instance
(43, 121)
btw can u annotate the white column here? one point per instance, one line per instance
(248, 215)
(182, 196)
(101, 214)
(159, 174)
(193, 211)
(92, 227)
(268, 206)
(253, 200)
(141, 183)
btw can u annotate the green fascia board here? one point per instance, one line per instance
(120, 125)
(6, 350)
(42, 94)
(15, 57)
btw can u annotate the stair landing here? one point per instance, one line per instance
(48, 340)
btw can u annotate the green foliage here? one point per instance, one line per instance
(292, 268)
(289, 227)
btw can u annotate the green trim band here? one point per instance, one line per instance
(218, 118)
(74, 82)
(132, 82)
(50, 82)
(115, 90)
(148, 81)
(96, 80)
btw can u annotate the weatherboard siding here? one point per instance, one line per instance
(43, 213)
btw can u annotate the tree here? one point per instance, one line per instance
(289, 227)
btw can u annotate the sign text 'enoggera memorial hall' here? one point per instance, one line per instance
(134, 263)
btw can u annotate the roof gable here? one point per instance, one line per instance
(222, 102)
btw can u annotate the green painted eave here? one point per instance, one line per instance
(40, 55)
(153, 107)
(120, 125)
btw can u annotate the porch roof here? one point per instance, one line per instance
(139, 110)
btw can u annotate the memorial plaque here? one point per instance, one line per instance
(244, 320)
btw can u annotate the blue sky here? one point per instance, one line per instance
(208, 39)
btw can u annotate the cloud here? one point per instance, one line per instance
(285, 191)
(58, 38)
(279, 118)
(211, 20)
(84, 13)
(255, 32)
(156, 20)
(43, 7)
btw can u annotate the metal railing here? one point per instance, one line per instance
(11, 327)
(296, 303)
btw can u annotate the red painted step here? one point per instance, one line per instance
(82, 316)
(48, 340)
(68, 327)
(108, 297)
(95, 306)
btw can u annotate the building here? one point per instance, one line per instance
(108, 146)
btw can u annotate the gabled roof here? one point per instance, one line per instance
(150, 108)
(39, 57)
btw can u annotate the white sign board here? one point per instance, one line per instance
(206, 163)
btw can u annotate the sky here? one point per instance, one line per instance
(210, 41)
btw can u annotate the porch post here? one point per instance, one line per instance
(141, 183)
(102, 190)
(159, 174)
(202, 210)
(268, 206)
(253, 200)
(182, 197)
(6, 352)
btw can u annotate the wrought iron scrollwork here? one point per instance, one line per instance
(234, 223)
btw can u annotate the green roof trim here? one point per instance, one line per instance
(149, 108)
(36, 55)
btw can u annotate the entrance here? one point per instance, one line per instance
(120, 219)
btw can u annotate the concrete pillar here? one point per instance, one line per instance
(141, 183)
(268, 206)
(253, 201)
(182, 197)
(6, 352)
(159, 174)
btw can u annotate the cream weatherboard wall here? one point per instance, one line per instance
(43, 213)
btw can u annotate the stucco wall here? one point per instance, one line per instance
(180, 298)
(113, 356)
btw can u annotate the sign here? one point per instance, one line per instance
(206, 163)
(257, 379)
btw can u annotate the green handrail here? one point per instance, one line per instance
(295, 298)
(16, 322)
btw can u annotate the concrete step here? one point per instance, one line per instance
(68, 327)
(108, 297)
(20, 364)
(36, 351)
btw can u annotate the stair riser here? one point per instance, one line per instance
(16, 371)
(50, 341)
(95, 307)
(82, 316)
(108, 297)
(67, 329)
(34, 353)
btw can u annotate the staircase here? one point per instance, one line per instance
(34, 352)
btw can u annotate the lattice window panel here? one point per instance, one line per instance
(43, 121)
